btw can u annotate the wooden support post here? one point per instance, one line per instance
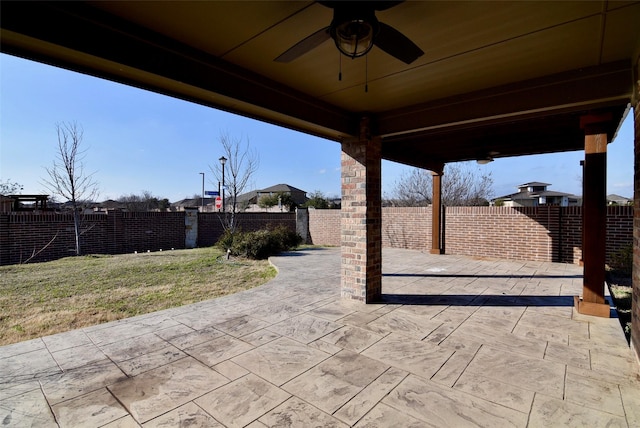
(437, 246)
(594, 216)
(635, 291)
(581, 261)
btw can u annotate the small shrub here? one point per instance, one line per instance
(260, 244)
(225, 241)
(622, 260)
(285, 238)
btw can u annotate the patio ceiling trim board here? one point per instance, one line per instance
(576, 90)
(536, 135)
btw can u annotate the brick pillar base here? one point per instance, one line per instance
(361, 221)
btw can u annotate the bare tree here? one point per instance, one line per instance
(241, 163)
(413, 189)
(9, 187)
(67, 177)
(144, 202)
(463, 184)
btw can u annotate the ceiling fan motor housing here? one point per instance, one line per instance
(354, 30)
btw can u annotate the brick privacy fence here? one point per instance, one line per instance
(324, 227)
(51, 235)
(536, 233)
(541, 233)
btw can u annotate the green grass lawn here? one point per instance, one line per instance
(45, 298)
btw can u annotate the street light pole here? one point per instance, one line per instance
(223, 160)
(202, 201)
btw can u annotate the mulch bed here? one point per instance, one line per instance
(620, 287)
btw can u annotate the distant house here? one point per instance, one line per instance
(209, 204)
(10, 203)
(246, 201)
(108, 205)
(618, 200)
(250, 200)
(298, 196)
(535, 194)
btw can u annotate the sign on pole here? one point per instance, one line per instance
(218, 202)
(212, 193)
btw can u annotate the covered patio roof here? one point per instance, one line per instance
(496, 79)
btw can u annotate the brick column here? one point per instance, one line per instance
(191, 227)
(437, 246)
(115, 232)
(5, 243)
(635, 301)
(302, 224)
(361, 217)
(594, 216)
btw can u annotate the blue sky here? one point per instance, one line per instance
(141, 141)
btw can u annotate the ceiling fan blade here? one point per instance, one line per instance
(373, 5)
(305, 45)
(397, 44)
(384, 5)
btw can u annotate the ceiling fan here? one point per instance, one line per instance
(355, 30)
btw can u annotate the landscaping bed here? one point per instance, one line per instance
(621, 285)
(620, 288)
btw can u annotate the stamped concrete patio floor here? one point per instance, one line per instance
(457, 342)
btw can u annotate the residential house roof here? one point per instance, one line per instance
(248, 197)
(523, 193)
(534, 184)
(280, 188)
(529, 195)
(252, 196)
(617, 199)
(110, 204)
(192, 202)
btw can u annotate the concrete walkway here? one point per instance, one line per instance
(458, 342)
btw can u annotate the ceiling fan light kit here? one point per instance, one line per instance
(353, 32)
(485, 161)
